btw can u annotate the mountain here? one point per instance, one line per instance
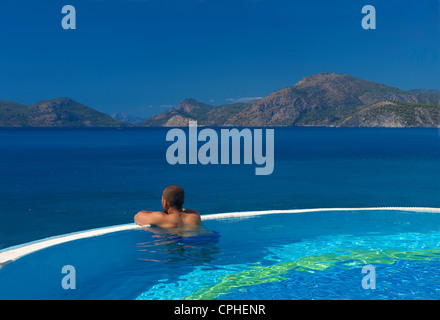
(59, 112)
(395, 114)
(324, 99)
(124, 117)
(427, 96)
(190, 109)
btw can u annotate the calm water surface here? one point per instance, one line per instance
(56, 181)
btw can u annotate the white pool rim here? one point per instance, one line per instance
(13, 253)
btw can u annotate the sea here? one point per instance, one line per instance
(62, 180)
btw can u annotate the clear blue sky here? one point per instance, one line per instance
(144, 56)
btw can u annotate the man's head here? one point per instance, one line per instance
(172, 197)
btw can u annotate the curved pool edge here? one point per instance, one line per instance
(11, 254)
(216, 216)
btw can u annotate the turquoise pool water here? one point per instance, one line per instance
(312, 255)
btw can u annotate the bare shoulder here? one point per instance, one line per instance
(192, 216)
(191, 211)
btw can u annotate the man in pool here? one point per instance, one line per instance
(173, 214)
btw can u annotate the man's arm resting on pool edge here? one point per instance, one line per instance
(143, 218)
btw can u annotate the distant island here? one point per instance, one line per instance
(59, 112)
(324, 99)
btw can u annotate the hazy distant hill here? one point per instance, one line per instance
(190, 109)
(124, 117)
(325, 99)
(59, 112)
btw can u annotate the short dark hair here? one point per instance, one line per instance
(174, 195)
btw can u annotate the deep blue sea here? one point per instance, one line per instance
(55, 181)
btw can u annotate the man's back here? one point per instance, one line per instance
(173, 215)
(176, 218)
(171, 219)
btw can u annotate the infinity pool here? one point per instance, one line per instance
(302, 254)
